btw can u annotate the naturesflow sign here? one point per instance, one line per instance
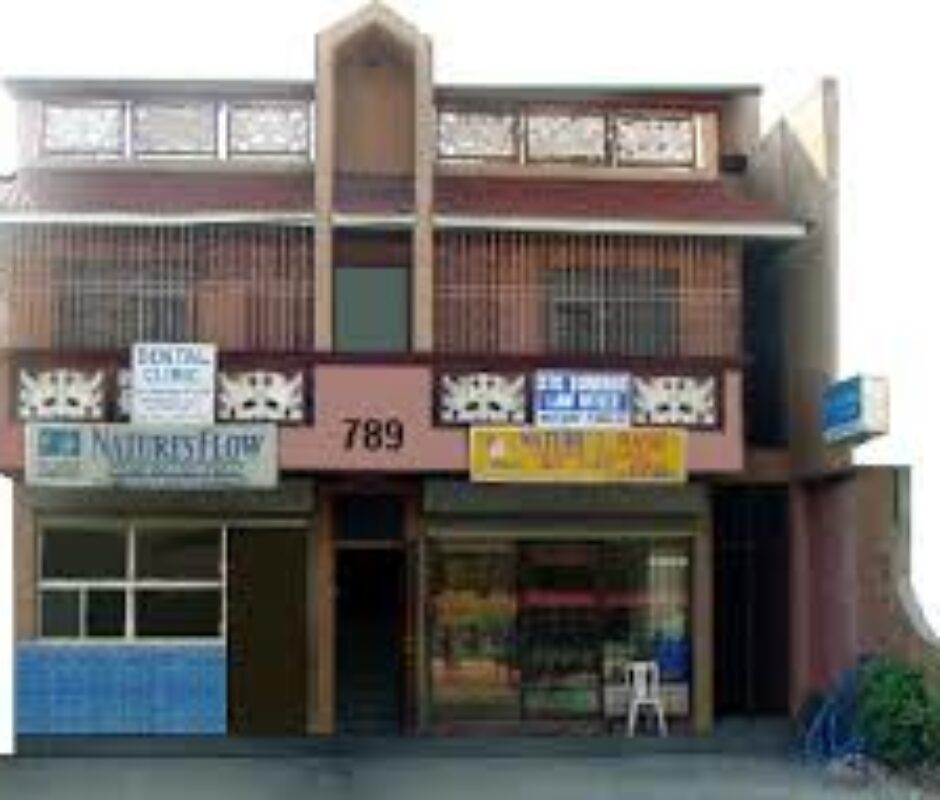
(190, 457)
(173, 383)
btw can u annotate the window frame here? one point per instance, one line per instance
(130, 584)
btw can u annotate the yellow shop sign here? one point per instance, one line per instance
(585, 455)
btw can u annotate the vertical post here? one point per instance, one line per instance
(313, 626)
(702, 627)
(800, 585)
(325, 593)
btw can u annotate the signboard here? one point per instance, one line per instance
(855, 409)
(583, 455)
(581, 399)
(173, 382)
(151, 457)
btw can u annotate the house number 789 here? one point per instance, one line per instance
(373, 434)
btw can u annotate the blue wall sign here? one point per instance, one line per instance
(582, 399)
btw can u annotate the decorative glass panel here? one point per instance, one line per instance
(685, 400)
(269, 128)
(476, 136)
(61, 394)
(482, 398)
(261, 395)
(168, 128)
(94, 129)
(656, 140)
(563, 137)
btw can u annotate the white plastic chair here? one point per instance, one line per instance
(642, 679)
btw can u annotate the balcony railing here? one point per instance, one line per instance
(244, 287)
(534, 294)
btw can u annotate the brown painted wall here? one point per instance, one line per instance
(852, 590)
(375, 106)
(24, 565)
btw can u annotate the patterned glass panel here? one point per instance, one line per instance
(476, 136)
(93, 129)
(269, 128)
(565, 137)
(168, 128)
(656, 140)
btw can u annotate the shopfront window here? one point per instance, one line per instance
(474, 670)
(131, 583)
(539, 631)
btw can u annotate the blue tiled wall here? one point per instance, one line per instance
(120, 689)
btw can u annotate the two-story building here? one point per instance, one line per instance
(521, 356)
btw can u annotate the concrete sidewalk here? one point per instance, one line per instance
(689, 776)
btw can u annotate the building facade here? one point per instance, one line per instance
(535, 370)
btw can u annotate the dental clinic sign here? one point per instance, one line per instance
(173, 382)
(193, 457)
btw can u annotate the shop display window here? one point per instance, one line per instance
(544, 630)
(474, 668)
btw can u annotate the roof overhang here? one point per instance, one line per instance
(649, 227)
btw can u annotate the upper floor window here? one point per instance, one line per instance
(178, 127)
(100, 303)
(623, 138)
(627, 311)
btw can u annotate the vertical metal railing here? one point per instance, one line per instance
(593, 295)
(105, 287)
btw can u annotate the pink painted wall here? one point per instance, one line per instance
(380, 392)
(405, 392)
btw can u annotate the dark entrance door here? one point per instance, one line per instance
(370, 602)
(267, 632)
(752, 654)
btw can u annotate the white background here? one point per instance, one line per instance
(884, 56)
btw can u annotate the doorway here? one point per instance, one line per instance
(267, 664)
(752, 631)
(370, 613)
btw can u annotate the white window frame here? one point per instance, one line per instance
(130, 584)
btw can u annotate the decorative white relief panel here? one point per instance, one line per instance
(563, 137)
(260, 395)
(92, 129)
(675, 400)
(482, 397)
(269, 128)
(60, 394)
(655, 140)
(475, 135)
(165, 128)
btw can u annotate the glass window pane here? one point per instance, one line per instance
(60, 613)
(179, 613)
(193, 554)
(646, 594)
(84, 553)
(105, 612)
(559, 628)
(474, 671)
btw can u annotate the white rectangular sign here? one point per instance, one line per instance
(173, 382)
(190, 457)
(582, 399)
